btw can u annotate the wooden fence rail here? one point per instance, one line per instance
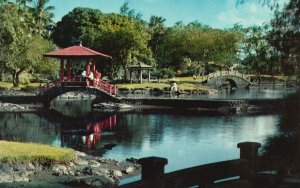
(202, 176)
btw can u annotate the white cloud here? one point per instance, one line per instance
(247, 14)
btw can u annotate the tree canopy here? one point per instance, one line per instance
(125, 39)
(199, 44)
(20, 50)
(27, 29)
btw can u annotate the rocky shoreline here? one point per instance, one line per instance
(85, 171)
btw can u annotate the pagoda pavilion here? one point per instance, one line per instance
(90, 77)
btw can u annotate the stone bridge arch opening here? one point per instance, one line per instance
(232, 83)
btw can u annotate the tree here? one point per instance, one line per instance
(260, 56)
(157, 29)
(19, 50)
(123, 38)
(199, 44)
(42, 17)
(126, 11)
(285, 36)
(23, 3)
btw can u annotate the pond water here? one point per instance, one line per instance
(185, 138)
(253, 93)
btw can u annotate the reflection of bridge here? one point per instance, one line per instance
(86, 137)
(231, 79)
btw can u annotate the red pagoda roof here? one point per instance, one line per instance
(75, 51)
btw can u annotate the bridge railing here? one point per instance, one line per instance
(225, 73)
(244, 168)
(102, 85)
(49, 85)
(108, 88)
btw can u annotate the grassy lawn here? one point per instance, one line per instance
(29, 152)
(143, 85)
(162, 85)
(280, 77)
(10, 85)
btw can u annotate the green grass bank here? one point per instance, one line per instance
(16, 152)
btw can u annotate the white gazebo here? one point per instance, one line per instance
(139, 68)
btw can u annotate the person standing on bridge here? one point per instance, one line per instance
(97, 78)
(83, 75)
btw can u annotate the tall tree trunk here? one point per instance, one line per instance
(14, 79)
(125, 74)
(2, 73)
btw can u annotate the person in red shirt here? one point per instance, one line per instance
(97, 78)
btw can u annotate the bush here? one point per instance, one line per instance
(190, 72)
(164, 73)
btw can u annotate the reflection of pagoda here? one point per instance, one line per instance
(85, 139)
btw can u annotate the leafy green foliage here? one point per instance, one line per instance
(164, 73)
(123, 38)
(197, 43)
(260, 57)
(20, 51)
(284, 36)
(157, 30)
(130, 13)
(42, 17)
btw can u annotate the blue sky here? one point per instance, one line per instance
(216, 13)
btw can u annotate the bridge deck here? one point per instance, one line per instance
(73, 83)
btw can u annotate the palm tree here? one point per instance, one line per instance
(23, 3)
(156, 25)
(43, 16)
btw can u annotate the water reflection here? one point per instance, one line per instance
(88, 138)
(72, 108)
(27, 127)
(253, 93)
(186, 138)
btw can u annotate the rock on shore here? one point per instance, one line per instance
(85, 170)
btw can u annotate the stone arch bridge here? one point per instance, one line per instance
(228, 79)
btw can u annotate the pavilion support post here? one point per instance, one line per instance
(94, 67)
(68, 69)
(141, 76)
(87, 68)
(149, 76)
(94, 72)
(87, 72)
(62, 70)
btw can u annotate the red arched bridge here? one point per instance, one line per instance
(88, 80)
(102, 90)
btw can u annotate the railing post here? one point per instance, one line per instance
(153, 169)
(249, 151)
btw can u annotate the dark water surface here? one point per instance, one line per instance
(253, 93)
(186, 138)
